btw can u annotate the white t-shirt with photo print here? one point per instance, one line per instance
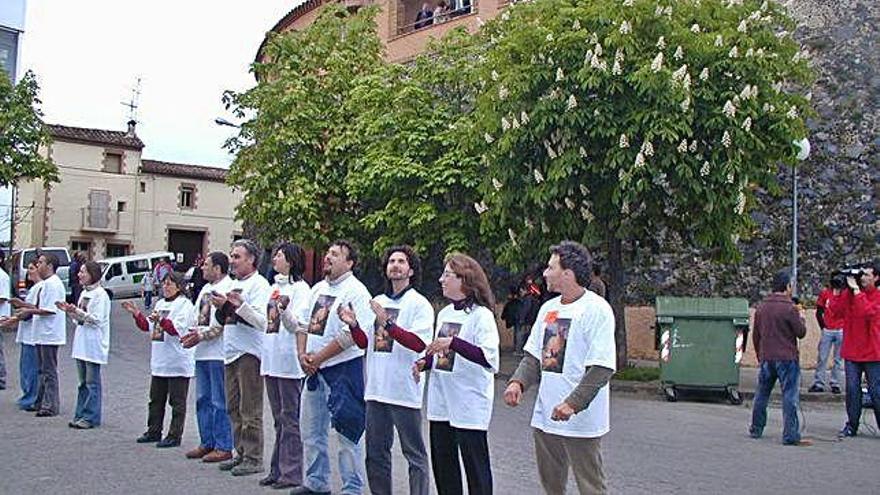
(322, 320)
(168, 357)
(566, 338)
(206, 316)
(389, 363)
(460, 391)
(280, 358)
(91, 340)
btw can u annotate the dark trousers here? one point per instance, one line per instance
(47, 388)
(173, 390)
(789, 375)
(287, 455)
(446, 443)
(382, 420)
(854, 371)
(244, 402)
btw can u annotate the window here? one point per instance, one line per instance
(143, 187)
(99, 209)
(8, 52)
(113, 162)
(114, 271)
(137, 266)
(187, 196)
(114, 250)
(82, 247)
(120, 206)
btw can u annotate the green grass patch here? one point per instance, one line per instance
(638, 374)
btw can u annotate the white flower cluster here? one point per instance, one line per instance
(569, 203)
(512, 235)
(625, 27)
(623, 142)
(747, 124)
(488, 137)
(538, 177)
(496, 184)
(524, 117)
(627, 3)
(560, 75)
(640, 160)
(683, 146)
(730, 177)
(582, 152)
(719, 41)
(481, 207)
(777, 86)
(740, 203)
(647, 148)
(733, 53)
(695, 28)
(551, 153)
(544, 227)
(505, 124)
(624, 209)
(726, 140)
(657, 63)
(704, 170)
(576, 25)
(549, 37)
(679, 53)
(514, 124)
(729, 110)
(769, 108)
(584, 190)
(748, 92)
(503, 92)
(743, 26)
(704, 74)
(750, 53)
(505, 16)
(661, 43)
(792, 113)
(661, 11)
(572, 103)
(617, 69)
(685, 104)
(693, 146)
(587, 215)
(681, 76)
(494, 75)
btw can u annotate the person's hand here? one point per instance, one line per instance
(191, 339)
(217, 299)
(8, 322)
(347, 315)
(308, 363)
(562, 412)
(130, 307)
(513, 394)
(417, 369)
(154, 317)
(381, 314)
(17, 303)
(852, 283)
(235, 299)
(440, 345)
(836, 292)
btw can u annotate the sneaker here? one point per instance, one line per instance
(835, 390)
(82, 424)
(847, 431)
(816, 388)
(231, 463)
(168, 442)
(247, 469)
(803, 442)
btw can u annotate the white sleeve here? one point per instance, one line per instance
(487, 337)
(292, 318)
(422, 324)
(597, 337)
(535, 341)
(254, 311)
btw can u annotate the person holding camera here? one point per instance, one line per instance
(859, 305)
(831, 324)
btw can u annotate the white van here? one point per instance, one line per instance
(123, 276)
(20, 260)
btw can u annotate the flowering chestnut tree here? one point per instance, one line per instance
(607, 121)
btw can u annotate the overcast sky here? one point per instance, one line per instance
(88, 55)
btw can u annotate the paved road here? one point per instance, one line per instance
(655, 447)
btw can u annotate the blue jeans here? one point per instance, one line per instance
(88, 397)
(854, 370)
(215, 431)
(830, 339)
(28, 374)
(314, 426)
(789, 375)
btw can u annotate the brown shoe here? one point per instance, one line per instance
(804, 442)
(217, 456)
(198, 452)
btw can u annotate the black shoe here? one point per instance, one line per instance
(268, 481)
(304, 490)
(835, 389)
(43, 413)
(72, 424)
(847, 431)
(168, 442)
(283, 485)
(816, 388)
(148, 438)
(30, 408)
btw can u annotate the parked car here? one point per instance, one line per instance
(123, 276)
(20, 260)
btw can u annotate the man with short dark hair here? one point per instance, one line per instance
(859, 304)
(207, 335)
(778, 326)
(571, 352)
(338, 313)
(5, 297)
(243, 312)
(831, 326)
(50, 332)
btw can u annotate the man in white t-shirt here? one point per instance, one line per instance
(333, 330)
(404, 326)
(243, 310)
(215, 432)
(571, 352)
(50, 332)
(5, 289)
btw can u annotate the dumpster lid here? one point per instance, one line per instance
(702, 307)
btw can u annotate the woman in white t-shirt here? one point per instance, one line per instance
(462, 360)
(171, 365)
(28, 363)
(280, 365)
(91, 343)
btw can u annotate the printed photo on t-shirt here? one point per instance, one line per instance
(555, 340)
(232, 317)
(445, 360)
(320, 314)
(84, 303)
(277, 305)
(382, 341)
(158, 335)
(205, 310)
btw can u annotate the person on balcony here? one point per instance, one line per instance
(424, 17)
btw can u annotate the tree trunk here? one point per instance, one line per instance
(616, 288)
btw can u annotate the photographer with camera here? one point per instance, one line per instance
(859, 306)
(831, 324)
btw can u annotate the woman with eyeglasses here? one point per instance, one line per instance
(462, 359)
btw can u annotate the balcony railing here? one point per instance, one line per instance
(100, 220)
(439, 17)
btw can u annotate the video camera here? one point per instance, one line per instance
(838, 279)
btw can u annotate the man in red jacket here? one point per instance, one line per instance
(831, 325)
(859, 304)
(778, 326)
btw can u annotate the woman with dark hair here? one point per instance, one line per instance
(91, 343)
(28, 365)
(463, 359)
(171, 365)
(280, 364)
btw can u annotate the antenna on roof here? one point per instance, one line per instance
(132, 104)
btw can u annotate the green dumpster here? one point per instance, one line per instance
(701, 343)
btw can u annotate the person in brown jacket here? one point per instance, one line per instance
(778, 326)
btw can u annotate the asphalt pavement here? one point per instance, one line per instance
(654, 446)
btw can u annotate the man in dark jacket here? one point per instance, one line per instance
(778, 326)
